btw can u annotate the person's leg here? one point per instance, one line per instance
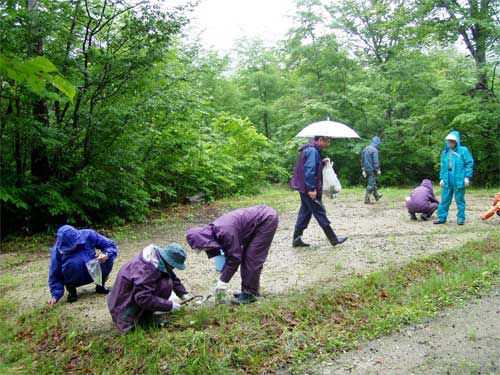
(432, 208)
(72, 295)
(303, 219)
(371, 185)
(319, 213)
(412, 215)
(106, 268)
(255, 256)
(444, 206)
(375, 191)
(460, 199)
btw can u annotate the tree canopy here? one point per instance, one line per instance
(106, 110)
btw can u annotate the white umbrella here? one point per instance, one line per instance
(332, 129)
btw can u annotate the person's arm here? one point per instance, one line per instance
(311, 158)
(179, 289)
(56, 279)
(443, 171)
(145, 296)
(233, 253)
(376, 162)
(107, 246)
(469, 164)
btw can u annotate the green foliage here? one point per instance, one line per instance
(104, 112)
(36, 72)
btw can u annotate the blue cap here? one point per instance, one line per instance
(68, 238)
(174, 255)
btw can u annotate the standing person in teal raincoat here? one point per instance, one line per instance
(456, 171)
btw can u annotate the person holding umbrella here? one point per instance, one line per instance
(308, 181)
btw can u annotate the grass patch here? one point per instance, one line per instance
(278, 332)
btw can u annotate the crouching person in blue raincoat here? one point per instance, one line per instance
(68, 258)
(456, 171)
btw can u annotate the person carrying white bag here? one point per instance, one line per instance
(331, 183)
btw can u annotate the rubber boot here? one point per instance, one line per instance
(377, 195)
(297, 239)
(332, 237)
(244, 298)
(72, 295)
(413, 216)
(367, 197)
(101, 289)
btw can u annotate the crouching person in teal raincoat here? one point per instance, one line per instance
(456, 171)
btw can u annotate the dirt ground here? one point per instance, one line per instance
(378, 235)
(463, 340)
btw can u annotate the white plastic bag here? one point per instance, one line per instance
(331, 183)
(95, 271)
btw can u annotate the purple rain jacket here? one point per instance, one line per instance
(308, 172)
(245, 235)
(422, 198)
(140, 287)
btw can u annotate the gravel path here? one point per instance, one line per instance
(463, 340)
(379, 235)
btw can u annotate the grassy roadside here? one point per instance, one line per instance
(278, 332)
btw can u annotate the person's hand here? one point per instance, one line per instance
(52, 301)
(364, 173)
(175, 306)
(312, 194)
(466, 182)
(221, 286)
(379, 172)
(102, 258)
(185, 297)
(441, 183)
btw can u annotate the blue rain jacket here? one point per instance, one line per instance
(369, 157)
(69, 267)
(462, 165)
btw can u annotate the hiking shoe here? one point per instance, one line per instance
(424, 217)
(460, 223)
(72, 295)
(439, 222)
(244, 298)
(297, 242)
(413, 217)
(101, 289)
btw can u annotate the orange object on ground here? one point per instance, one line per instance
(494, 209)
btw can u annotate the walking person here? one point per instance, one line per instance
(370, 164)
(308, 181)
(456, 171)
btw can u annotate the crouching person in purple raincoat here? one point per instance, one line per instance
(144, 286)
(245, 236)
(68, 258)
(422, 200)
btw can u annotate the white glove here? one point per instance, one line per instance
(364, 173)
(185, 297)
(175, 306)
(379, 172)
(441, 183)
(466, 182)
(221, 286)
